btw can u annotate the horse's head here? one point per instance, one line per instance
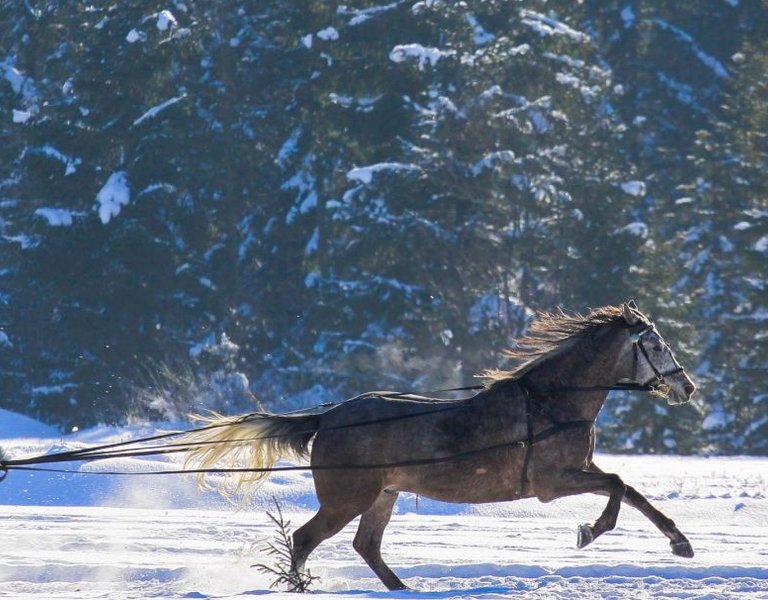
(653, 362)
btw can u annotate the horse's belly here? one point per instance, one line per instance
(473, 485)
(467, 495)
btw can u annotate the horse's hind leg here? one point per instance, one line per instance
(369, 535)
(326, 523)
(679, 543)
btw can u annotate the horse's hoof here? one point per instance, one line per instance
(396, 586)
(683, 549)
(585, 536)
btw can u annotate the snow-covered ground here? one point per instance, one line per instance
(101, 536)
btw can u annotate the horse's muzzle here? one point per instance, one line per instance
(681, 388)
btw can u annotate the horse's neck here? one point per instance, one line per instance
(558, 381)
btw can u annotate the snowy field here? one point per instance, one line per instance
(86, 536)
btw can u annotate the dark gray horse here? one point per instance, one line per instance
(528, 434)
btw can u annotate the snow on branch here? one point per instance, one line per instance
(57, 217)
(492, 160)
(70, 163)
(114, 194)
(547, 26)
(365, 174)
(361, 15)
(686, 38)
(634, 188)
(155, 110)
(422, 54)
(20, 83)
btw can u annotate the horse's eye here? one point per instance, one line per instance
(658, 348)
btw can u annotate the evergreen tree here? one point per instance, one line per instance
(725, 249)
(332, 198)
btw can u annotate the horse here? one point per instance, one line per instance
(529, 433)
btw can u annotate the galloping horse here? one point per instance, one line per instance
(528, 434)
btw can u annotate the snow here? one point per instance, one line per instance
(12, 75)
(491, 160)
(422, 54)
(114, 194)
(157, 187)
(313, 245)
(637, 228)
(166, 20)
(15, 426)
(714, 420)
(21, 116)
(628, 16)
(223, 347)
(328, 34)
(96, 535)
(56, 217)
(634, 188)
(20, 83)
(546, 26)
(70, 163)
(365, 174)
(481, 36)
(153, 112)
(134, 35)
(706, 59)
(5, 341)
(361, 15)
(289, 148)
(683, 92)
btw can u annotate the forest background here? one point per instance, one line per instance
(304, 200)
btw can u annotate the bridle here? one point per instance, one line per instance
(658, 376)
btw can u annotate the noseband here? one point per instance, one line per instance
(637, 342)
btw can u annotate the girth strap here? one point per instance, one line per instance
(534, 438)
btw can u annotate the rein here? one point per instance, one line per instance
(134, 448)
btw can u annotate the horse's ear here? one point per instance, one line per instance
(631, 304)
(629, 316)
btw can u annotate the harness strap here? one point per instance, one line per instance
(534, 438)
(529, 441)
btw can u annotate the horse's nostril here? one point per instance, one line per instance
(689, 389)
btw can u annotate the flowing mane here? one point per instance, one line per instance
(552, 333)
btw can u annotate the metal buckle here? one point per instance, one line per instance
(635, 337)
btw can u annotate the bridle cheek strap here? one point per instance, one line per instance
(637, 342)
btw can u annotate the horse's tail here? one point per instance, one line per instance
(246, 447)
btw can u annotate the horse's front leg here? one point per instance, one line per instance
(577, 481)
(678, 542)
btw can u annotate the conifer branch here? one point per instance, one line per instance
(281, 548)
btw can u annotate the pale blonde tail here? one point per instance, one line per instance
(252, 443)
